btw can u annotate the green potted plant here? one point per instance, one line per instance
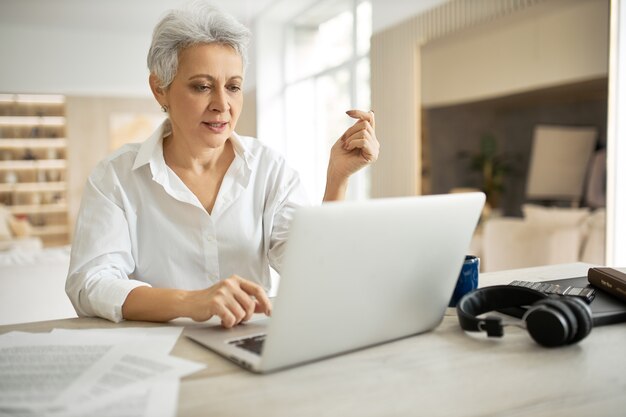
(493, 167)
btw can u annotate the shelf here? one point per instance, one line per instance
(33, 187)
(51, 230)
(39, 121)
(38, 208)
(39, 143)
(33, 152)
(21, 165)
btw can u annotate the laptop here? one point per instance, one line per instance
(355, 274)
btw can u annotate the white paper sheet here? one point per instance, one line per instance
(160, 339)
(36, 368)
(158, 399)
(121, 369)
(90, 372)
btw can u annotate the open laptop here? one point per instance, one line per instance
(356, 274)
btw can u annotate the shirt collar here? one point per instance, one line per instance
(241, 150)
(151, 150)
(152, 147)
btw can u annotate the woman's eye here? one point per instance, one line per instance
(201, 88)
(234, 88)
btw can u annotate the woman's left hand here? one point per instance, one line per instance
(355, 149)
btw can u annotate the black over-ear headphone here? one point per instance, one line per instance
(551, 322)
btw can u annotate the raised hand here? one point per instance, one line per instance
(357, 148)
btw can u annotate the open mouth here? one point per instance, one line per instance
(216, 126)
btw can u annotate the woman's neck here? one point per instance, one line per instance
(179, 155)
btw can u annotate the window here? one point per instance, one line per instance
(326, 72)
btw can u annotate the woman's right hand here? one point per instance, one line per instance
(233, 300)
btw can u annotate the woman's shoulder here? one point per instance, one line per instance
(260, 150)
(120, 160)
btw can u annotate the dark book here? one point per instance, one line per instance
(611, 280)
(605, 309)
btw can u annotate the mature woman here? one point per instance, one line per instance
(168, 228)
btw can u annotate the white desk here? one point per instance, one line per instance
(442, 373)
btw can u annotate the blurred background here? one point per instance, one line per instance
(511, 97)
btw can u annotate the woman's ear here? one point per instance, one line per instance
(157, 90)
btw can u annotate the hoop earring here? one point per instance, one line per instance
(164, 108)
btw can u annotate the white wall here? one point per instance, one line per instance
(50, 59)
(395, 66)
(552, 44)
(99, 47)
(616, 146)
(86, 47)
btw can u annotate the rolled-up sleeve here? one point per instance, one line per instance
(102, 264)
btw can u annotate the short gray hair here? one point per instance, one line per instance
(196, 23)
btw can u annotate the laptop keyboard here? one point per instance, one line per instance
(253, 344)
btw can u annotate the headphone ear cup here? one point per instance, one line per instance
(551, 323)
(583, 317)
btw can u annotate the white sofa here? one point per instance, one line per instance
(32, 285)
(544, 236)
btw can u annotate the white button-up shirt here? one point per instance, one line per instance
(139, 224)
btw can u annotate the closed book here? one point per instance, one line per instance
(611, 280)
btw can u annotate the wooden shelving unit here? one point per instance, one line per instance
(33, 163)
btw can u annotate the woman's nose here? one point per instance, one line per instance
(219, 102)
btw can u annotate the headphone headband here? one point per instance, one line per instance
(497, 297)
(550, 321)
